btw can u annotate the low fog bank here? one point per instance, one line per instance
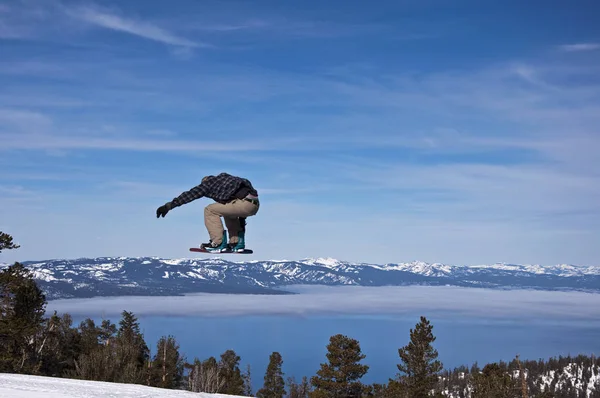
(353, 300)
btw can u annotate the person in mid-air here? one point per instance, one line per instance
(236, 199)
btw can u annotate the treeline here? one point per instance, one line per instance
(31, 343)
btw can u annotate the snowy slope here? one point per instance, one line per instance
(110, 276)
(572, 375)
(583, 379)
(24, 386)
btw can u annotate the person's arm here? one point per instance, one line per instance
(186, 197)
(195, 193)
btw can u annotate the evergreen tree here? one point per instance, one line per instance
(377, 390)
(274, 384)
(110, 354)
(107, 332)
(494, 382)
(419, 361)
(395, 389)
(97, 357)
(88, 336)
(166, 369)
(6, 242)
(296, 390)
(22, 308)
(129, 334)
(546, 394)
(229, 370)
(595, 393)
(131, 351)
(341, 376)
(59, 346)
(247, 382)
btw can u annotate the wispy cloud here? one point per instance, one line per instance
(34, 141)
(23, 120)
(144, 29)
(366, 143)
(247, 25)
(9, 27)
(576, 47)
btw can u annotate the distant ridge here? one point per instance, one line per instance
(118, 276)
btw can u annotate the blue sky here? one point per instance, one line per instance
(456, 132)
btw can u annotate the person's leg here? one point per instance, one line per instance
(213, 224)
(234, 227)
(231, 212)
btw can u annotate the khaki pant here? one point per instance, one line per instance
(231, 212)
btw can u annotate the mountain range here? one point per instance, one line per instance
(120, 276)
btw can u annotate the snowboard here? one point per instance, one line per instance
(199, 250)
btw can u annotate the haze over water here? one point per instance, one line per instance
(470, 324)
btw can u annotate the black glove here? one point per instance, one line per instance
(163, 210)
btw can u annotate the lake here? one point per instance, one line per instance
(470, 324)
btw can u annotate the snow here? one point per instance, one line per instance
(43, 274)
(327, 262)
(562, 270)
(195, 275)
(25, 386)
(419, 267)
(175, 261)
(573, 374)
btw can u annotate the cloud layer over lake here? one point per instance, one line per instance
(352, 300)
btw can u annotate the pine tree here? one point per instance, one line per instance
(97, 354)
(59, 346)
(88, 336)
(166, 369)
(296, 390)
(22, 308)
(230, 372)
(545, 394)
(419, 361)
(110, 354)
(247, 382)
(106, 332)
(6, 242)
(340, 377)
(494, 382)
(131, 351)
(274, 384)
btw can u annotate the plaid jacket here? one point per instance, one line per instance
(221, 188)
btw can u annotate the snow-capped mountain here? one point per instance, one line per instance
(106, 276)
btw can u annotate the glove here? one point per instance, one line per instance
(163, 210)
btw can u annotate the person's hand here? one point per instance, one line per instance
(163, 210)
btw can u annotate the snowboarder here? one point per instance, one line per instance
(235, 199)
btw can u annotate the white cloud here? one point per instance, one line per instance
(576, 47)
(247, 25)
(23, 120)
(34, 141)
(139, 28)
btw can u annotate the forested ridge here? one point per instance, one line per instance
(33, 343)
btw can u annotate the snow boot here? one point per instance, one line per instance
(240, 245)
(220, 248)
